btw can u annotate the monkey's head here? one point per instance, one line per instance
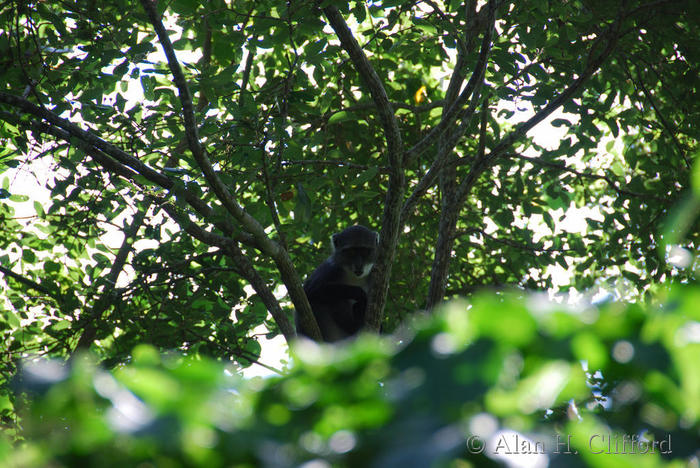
(355, 249)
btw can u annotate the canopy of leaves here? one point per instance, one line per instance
(291, 130)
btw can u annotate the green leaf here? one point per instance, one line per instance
(366, 176)
(303, 205)
(342, 116)
(587, 347)
(560, 123)
(28, 256)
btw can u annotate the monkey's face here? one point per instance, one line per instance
(357, 260)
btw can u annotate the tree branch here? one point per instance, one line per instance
(116, 160)
(449, 213)
(244, 267)
(593, 63)
(371, 80)
(338, 163)
(518, 245)
(195, 146)
(662, 119)
(456, 111)
(250, 224)
(106, 154)
(472, 87)
(362, 106)
(564, 168)
(391, 217)
(74, 130)
(29, 283)
(103, 302)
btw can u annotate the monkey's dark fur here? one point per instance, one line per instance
(337, 289)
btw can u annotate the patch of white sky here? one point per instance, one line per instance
(33, 178)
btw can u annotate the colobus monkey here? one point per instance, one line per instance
(337, 289)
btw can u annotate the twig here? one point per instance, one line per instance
(611, 35)
(27, 282)
(518, 245)
(103, 302)
(564, 168)
(664, 123)
(593, 63)
(319, 162)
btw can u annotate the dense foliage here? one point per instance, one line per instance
(455, 389)
(170, 171)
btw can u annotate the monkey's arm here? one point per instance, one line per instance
(345, 303)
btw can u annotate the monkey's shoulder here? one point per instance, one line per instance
(327, 272)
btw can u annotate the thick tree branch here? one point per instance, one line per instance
(250, 224)
(116, 160)
(451, 114)
(371, 80)
(449, 214)
(450, 207)
(483, 161)
(89, 138)
(119, 162)
(192, 134)
(438, 165)
(392, 205)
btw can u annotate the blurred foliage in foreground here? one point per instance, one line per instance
(587, 387)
